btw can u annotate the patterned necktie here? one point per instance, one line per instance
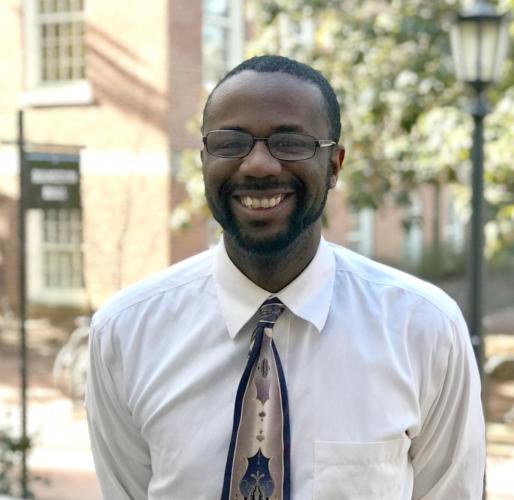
(258, 457)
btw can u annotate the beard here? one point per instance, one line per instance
(297, 225)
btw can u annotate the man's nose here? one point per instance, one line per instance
(259, 162)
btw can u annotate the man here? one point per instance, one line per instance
(360, 382)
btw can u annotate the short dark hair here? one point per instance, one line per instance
(280, 64)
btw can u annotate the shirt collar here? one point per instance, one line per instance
(308, 296)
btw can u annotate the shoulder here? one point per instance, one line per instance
(392, 286)
(187, 273)
(406, 312)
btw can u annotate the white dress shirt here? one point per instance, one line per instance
(384, 394)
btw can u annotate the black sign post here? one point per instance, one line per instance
(46, 181)
(22, 302)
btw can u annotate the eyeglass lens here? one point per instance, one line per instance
(283, 146)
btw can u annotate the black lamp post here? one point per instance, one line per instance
(479, 41)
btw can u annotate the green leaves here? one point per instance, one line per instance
(10, 454)
(403, 115)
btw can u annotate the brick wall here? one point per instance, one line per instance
(144, 92)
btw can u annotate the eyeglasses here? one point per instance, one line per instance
(282, 146)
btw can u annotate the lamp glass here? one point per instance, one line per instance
(502, 48)
(466, 51)
(479, 47)
(488, 33)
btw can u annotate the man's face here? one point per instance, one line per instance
(265, 204)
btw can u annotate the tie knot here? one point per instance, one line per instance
(270, 310)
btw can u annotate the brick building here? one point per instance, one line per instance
(117, 84)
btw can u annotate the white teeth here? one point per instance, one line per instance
(249, 202)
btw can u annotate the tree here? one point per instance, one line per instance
(403, 115)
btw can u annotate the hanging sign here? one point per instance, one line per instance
(53, 181)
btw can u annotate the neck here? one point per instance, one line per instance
(274, 271)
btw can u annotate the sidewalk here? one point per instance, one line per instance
(61, 454)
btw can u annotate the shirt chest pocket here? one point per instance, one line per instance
(362, 471)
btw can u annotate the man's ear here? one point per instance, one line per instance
(336, 162)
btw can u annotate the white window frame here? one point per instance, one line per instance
(295, 33)
(38, 291)
(39, 93)
(234, 22)
(453, 230)
(360, 238)
(413, 237)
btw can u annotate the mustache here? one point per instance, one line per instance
(258, 184)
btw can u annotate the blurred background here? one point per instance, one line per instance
(112, 92)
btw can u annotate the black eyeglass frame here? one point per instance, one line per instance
(318, 143)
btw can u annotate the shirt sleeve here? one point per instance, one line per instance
(448, 455)
(121, 455)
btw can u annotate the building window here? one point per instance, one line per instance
(222, 38)
(60, 39)
(54, 55)
(453, 224)
(359, 236)
(62, 249)
(295, 35)
(413, 237)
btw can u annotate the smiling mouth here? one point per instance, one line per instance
(261, 202)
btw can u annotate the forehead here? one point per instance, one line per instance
(263, 102)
